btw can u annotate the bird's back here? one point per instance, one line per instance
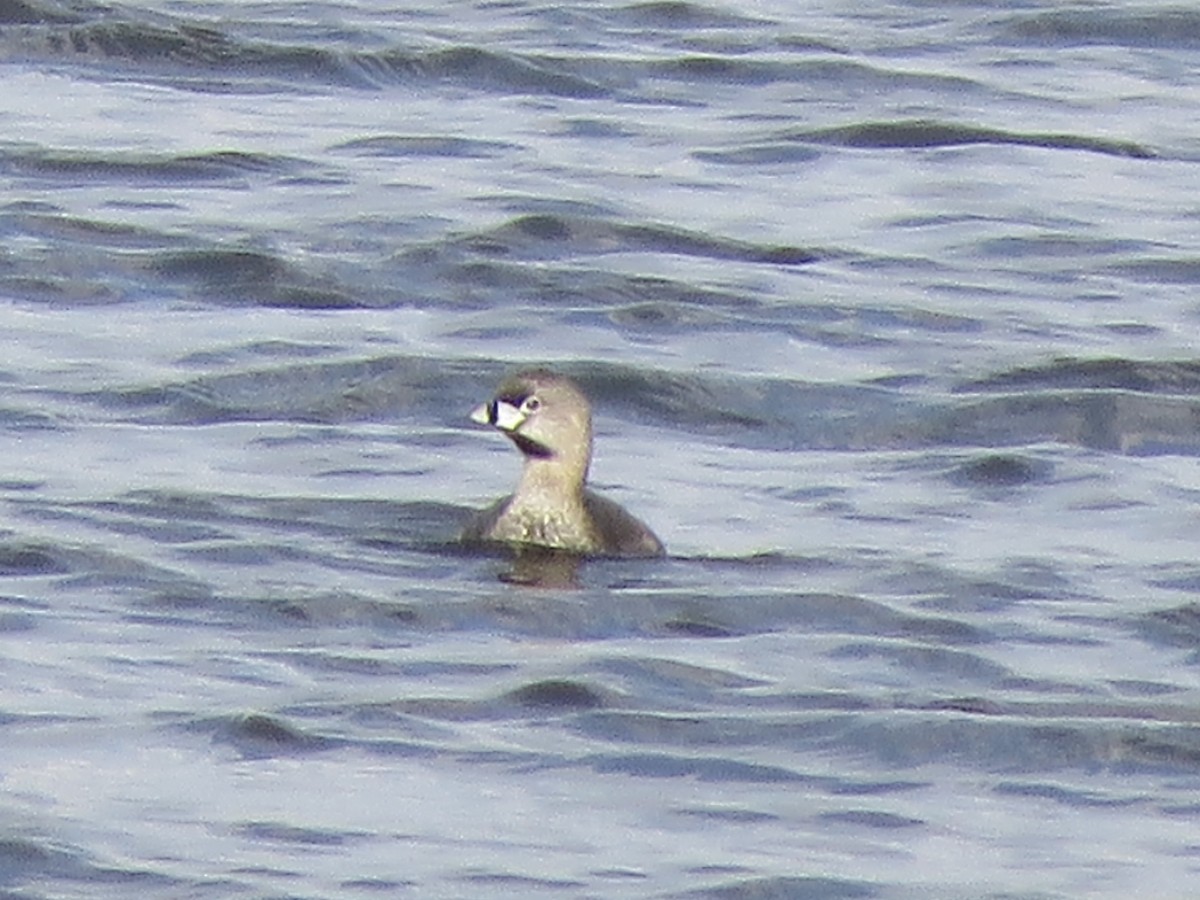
(619, 532)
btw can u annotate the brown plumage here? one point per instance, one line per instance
(550, 420)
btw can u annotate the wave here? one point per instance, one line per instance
(1121, 406)
(208, 58)
(1163, 28)
(80, 166)
(925, 133)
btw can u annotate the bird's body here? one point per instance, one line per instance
(549, 419)
(598, 527)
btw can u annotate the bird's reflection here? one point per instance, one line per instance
(543, 567)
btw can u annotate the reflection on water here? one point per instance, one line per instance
(543, 567)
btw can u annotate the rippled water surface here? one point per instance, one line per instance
(888, 312)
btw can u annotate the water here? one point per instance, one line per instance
(888, 315)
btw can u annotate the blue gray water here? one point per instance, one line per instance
(889, 312)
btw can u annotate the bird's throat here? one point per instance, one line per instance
(531, 448)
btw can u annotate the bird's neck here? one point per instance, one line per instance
(555, 477)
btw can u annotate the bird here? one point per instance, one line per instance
(548, 418)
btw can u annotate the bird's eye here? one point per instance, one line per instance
(531, 405)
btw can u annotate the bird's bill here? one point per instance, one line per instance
(499, 414)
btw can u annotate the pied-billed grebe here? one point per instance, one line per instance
(549, 419)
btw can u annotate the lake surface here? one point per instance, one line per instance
(889, 315)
